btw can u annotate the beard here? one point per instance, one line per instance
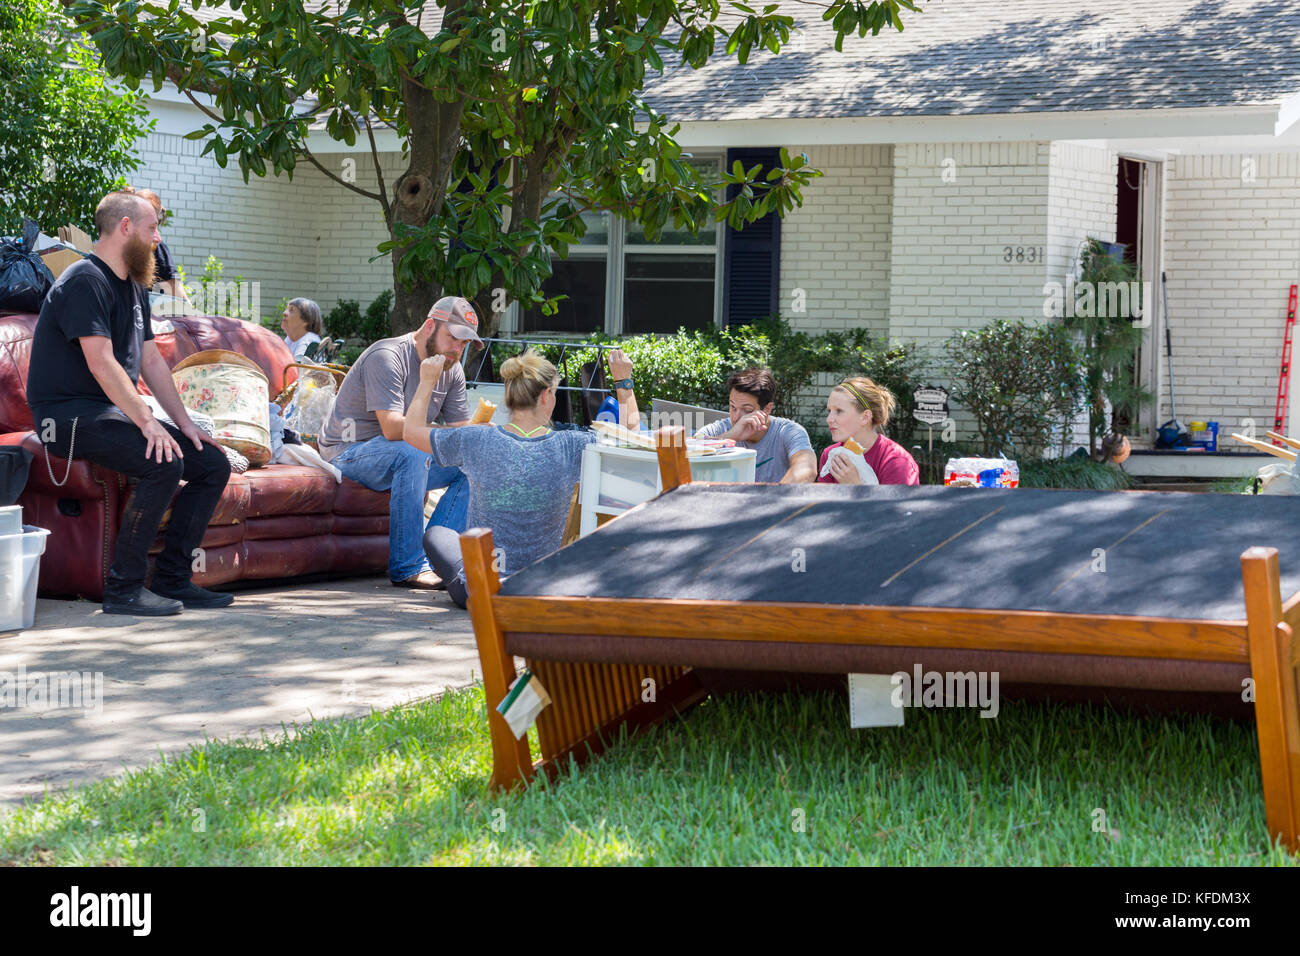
(430, 348)
(138, 256)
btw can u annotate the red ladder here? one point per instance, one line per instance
(1284, 380)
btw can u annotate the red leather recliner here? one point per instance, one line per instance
(272, 522)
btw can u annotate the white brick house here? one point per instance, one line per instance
(983, 127)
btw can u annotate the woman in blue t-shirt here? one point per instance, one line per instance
(520, 474)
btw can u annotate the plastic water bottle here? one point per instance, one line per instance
(608, 410)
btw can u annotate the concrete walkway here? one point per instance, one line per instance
(275, 657)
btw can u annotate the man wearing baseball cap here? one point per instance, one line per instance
(363, 435)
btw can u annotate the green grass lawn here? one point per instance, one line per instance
(778, 779)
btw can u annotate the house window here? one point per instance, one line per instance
(583, 277)
(617, 281)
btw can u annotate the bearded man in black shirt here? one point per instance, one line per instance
(92, 344)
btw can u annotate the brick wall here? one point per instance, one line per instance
(1081, 203)
(309, 236)
(347, 228)
(1232, 250)
(836, 247)
(957, 208)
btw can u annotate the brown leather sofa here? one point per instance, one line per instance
(273, 522)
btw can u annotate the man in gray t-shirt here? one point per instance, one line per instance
(362, 436)
(783, 452)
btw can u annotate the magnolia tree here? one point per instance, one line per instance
(67, 135)
(514, 118)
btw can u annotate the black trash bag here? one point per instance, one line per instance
(24, 278)
(14, 464)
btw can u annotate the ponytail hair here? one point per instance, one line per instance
(868, 396)
(526, 376)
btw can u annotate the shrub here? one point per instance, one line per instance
(344, 320)
(795, 357)
(685, 367)
(216, 295)
(692, 366)
(1018, 379)
(347, 321)
(374, 324)
(1081, 473)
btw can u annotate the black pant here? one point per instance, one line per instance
(442, 547)
(110, 439)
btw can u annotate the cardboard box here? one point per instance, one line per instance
(72, 236)
(56, 260)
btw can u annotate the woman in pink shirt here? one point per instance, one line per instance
(857, 408)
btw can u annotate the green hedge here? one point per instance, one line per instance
(692, 366)
(1078, 473)
(347, 321)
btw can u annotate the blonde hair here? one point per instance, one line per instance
(526, 376)
(866, 395)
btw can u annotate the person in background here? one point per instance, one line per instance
(165, 274)
(521, 474)
(783, 451)
(362, 436)
(302, 326)
(858, 408)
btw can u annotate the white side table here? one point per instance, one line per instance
(615, 478)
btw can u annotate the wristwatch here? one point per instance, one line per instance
(623, 383)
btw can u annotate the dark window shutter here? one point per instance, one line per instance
(752, 276)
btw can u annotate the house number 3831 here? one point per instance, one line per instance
(1022, 253)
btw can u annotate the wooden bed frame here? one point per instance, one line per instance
(592, 700)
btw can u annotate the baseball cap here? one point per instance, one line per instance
(459, 315)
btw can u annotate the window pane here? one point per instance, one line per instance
(597, 229)
(662, 293)
(582, 279)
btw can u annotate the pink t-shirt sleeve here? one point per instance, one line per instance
(895, 466)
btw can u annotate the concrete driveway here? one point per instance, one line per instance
(131, 687)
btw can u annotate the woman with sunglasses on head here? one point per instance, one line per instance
(520, 474)
(856, 410)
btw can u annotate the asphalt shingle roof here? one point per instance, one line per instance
(1007, 56)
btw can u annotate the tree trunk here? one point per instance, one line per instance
(419, 192)
(531, 192)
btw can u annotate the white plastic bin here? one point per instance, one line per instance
(20, 565)
(11, 519)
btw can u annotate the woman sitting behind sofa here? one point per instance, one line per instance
(858, 408)
(521, 474)
(302, 326)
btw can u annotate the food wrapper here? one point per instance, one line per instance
(865, 471)
(483, 414)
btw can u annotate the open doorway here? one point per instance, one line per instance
(1137, 215)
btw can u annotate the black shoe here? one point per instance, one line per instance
(144, 603)
(195, 597)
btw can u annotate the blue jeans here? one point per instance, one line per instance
(407, 474)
